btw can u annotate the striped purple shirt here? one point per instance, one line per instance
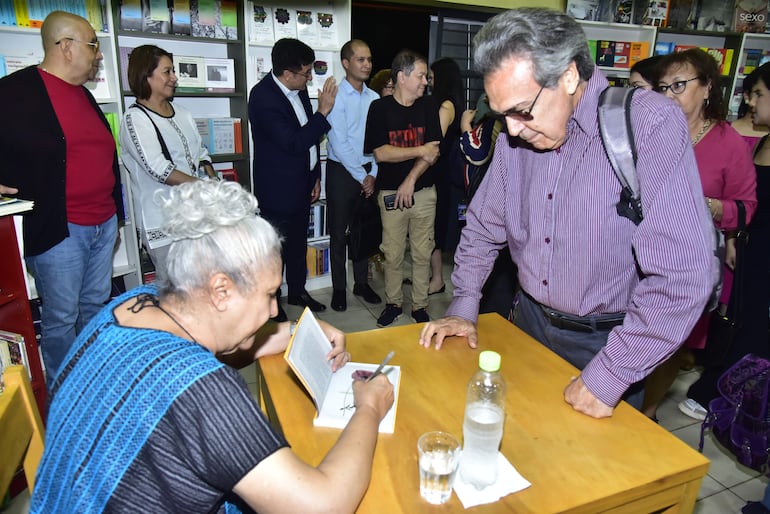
(556, 212)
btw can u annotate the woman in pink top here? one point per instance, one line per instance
(691, 79)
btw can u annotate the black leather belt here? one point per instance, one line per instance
(565, 321)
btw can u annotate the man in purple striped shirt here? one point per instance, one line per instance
(612, 298)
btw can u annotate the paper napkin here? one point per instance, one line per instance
(508, 481)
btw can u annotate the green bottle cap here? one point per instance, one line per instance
(489, 361)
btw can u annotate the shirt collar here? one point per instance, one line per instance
(586, 116)
(290, 93)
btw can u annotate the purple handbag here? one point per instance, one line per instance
(739, 416)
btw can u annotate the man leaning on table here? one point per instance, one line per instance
(550, 194)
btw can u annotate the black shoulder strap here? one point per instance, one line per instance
(618, 139)
(163, 147)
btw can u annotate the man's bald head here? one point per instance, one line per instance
(60, 24)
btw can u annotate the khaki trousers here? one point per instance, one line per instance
(418, 222)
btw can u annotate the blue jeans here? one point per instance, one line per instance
(74, 281)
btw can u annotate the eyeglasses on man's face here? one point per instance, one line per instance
(677, 87)
(93, 44)
(307, 74)
(523, 114)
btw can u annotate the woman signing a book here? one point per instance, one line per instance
(145, 415)
(160, 143)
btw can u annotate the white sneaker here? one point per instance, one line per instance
(693, 409)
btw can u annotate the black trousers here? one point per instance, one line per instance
(342, 191)
(293, 228)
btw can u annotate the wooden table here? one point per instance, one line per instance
(575, 463)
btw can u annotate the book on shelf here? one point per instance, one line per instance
(307, 28)
(715, 15)
(21, 12)
(180, 17)
(157, 17)
(131, 15)
(10, 205)
(7, 14)
(203, 18)
(605, 53)
(221, 135)
(99, 86)
(584, 9)
(656, 13)
(751, 16)
(317, 259)
(331, 392)
(592, 48)
(18, 62)
(220, 74)
(284, 23)
(227, 28)
(125, 53)
(622, 54)
(682, 14)
(228, 174)
(624, 11)
(618, 81)
(664, 47)
(13, 351)
(190, 73)
(260, 24)
(96, 14)
(723, 57)
(639, 51)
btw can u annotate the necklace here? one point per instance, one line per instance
(703, 129)
(148, 300)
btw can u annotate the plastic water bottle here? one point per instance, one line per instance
(483, 424)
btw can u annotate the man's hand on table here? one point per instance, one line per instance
(445, 327)
(583, 400)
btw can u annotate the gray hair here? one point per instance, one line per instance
(405, 61)
(550, 40)
(214, 228)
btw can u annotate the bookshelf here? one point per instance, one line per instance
(605, 31)
(260, 36)
(15, 313)
(750, 42)
(22, 46)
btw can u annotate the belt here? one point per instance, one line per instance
(565, 321)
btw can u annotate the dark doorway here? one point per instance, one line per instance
(389, 28)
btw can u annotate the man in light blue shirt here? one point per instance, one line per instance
(349, 173)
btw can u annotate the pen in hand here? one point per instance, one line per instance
(382, 365)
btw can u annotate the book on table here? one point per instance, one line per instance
(10, 205)
(331, 392)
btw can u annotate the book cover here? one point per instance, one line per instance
(36, 12)
(332, 393)
(222, 136)
(95, 16)
(750, 15)
(18, 62)
(307, 28)
(623, 12)
(16, 206)
(131, 15)
(22, 13)
(656, 13)
(752, 56)
(180, 17)
(100, 86)
(228, 174)
(203, 17)
(220, 74)
(664, 47)
(682, 14)
(228, 16)
(190, 73)
(157, 17)
(723, 57)
(7, 14)
(639, 50)
(125, 52)
(618, 81)
(284, 23)
(3, 68)
(202, 125)
(622, 54)
(260, 24)
(13, 351)
(605, 53)
(715, 15)
(583, 9)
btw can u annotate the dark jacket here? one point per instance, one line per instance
(34, 153)
(282, 180)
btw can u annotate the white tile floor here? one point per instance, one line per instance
(726, 488)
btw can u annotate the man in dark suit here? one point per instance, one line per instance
(287, 168)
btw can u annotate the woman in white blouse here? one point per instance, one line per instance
(160, 144)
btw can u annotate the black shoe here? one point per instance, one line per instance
(305, 300)
(391, 313)
(366, 292)
(281, 316)
(339, 300)
(420, 316)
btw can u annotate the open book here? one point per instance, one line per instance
(331, 392)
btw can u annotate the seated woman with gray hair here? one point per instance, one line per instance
(144, 414)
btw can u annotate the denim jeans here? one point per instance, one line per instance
(74, 281)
